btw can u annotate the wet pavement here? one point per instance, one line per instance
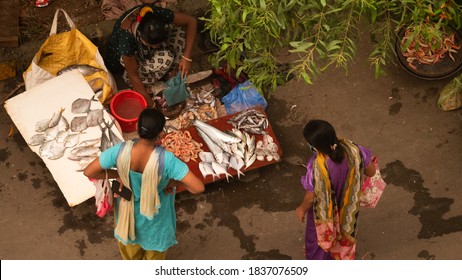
(419, 149)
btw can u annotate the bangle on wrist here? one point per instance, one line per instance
(187, 59)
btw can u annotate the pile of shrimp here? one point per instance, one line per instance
(182, 145)
(424, 53)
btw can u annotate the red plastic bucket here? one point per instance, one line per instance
(126, 107)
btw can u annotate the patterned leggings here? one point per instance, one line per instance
(165, 58)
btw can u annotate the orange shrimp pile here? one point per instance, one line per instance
(182, 145)
(424, 53)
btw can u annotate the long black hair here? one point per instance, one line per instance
(321, 135)
(150, 123)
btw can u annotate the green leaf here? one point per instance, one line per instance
(306, 78)
(373, 14)
(263, 5)
(323, 3)
(244, 15)
(225, 46)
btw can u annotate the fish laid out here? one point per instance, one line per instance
(206, 169)
(62, 135)
(52, 150)
(81, 105)
(55, 118)
(208, 166)
(215, 133)
(37, 139)
(42, 125)
(235, 149)
(71, 140)
(79, 124)
(95, 117)
(105, 142)
(112, 136)
(217, 152)
(84, 155)
(202, 96)
(55, 135)
(251, 120)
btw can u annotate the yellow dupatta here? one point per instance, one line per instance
(149, 198)
(336, 224)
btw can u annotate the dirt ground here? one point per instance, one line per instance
(418, 145)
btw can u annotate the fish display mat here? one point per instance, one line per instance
(41, 102)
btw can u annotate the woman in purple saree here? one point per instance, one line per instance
(332, 184)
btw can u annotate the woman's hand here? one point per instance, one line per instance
(131, 66)
(190, 24)
(306, 204)
(184, 66)
(170, 190)
(121, 185)
(301, 213)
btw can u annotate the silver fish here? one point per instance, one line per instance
(224, 165)
(235, 150)
(73, 157)
(72, 140)
(42, 125)
(225, 162)
(241, 148)
(251, 120)
(251, 144)
(213, 147)
(51, 133)
(237, 163)
(206, 169)
(85, 69)
(37, 139)
(216, 133)
(89, 142)
(95, 117)
(62, 136)
(55, 118)
(45, 149)
(81, 106)
(219, 170)
(84, 151)
(249, 159)
(105, 142)
(112, 136)
(57, 152)
(79, 124)
(63, 124)
(206, 156)
(239, 134)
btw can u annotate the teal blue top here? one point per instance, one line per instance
(159, 233)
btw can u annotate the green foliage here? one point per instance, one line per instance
(320, 33)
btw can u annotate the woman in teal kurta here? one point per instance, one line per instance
(153, 235)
